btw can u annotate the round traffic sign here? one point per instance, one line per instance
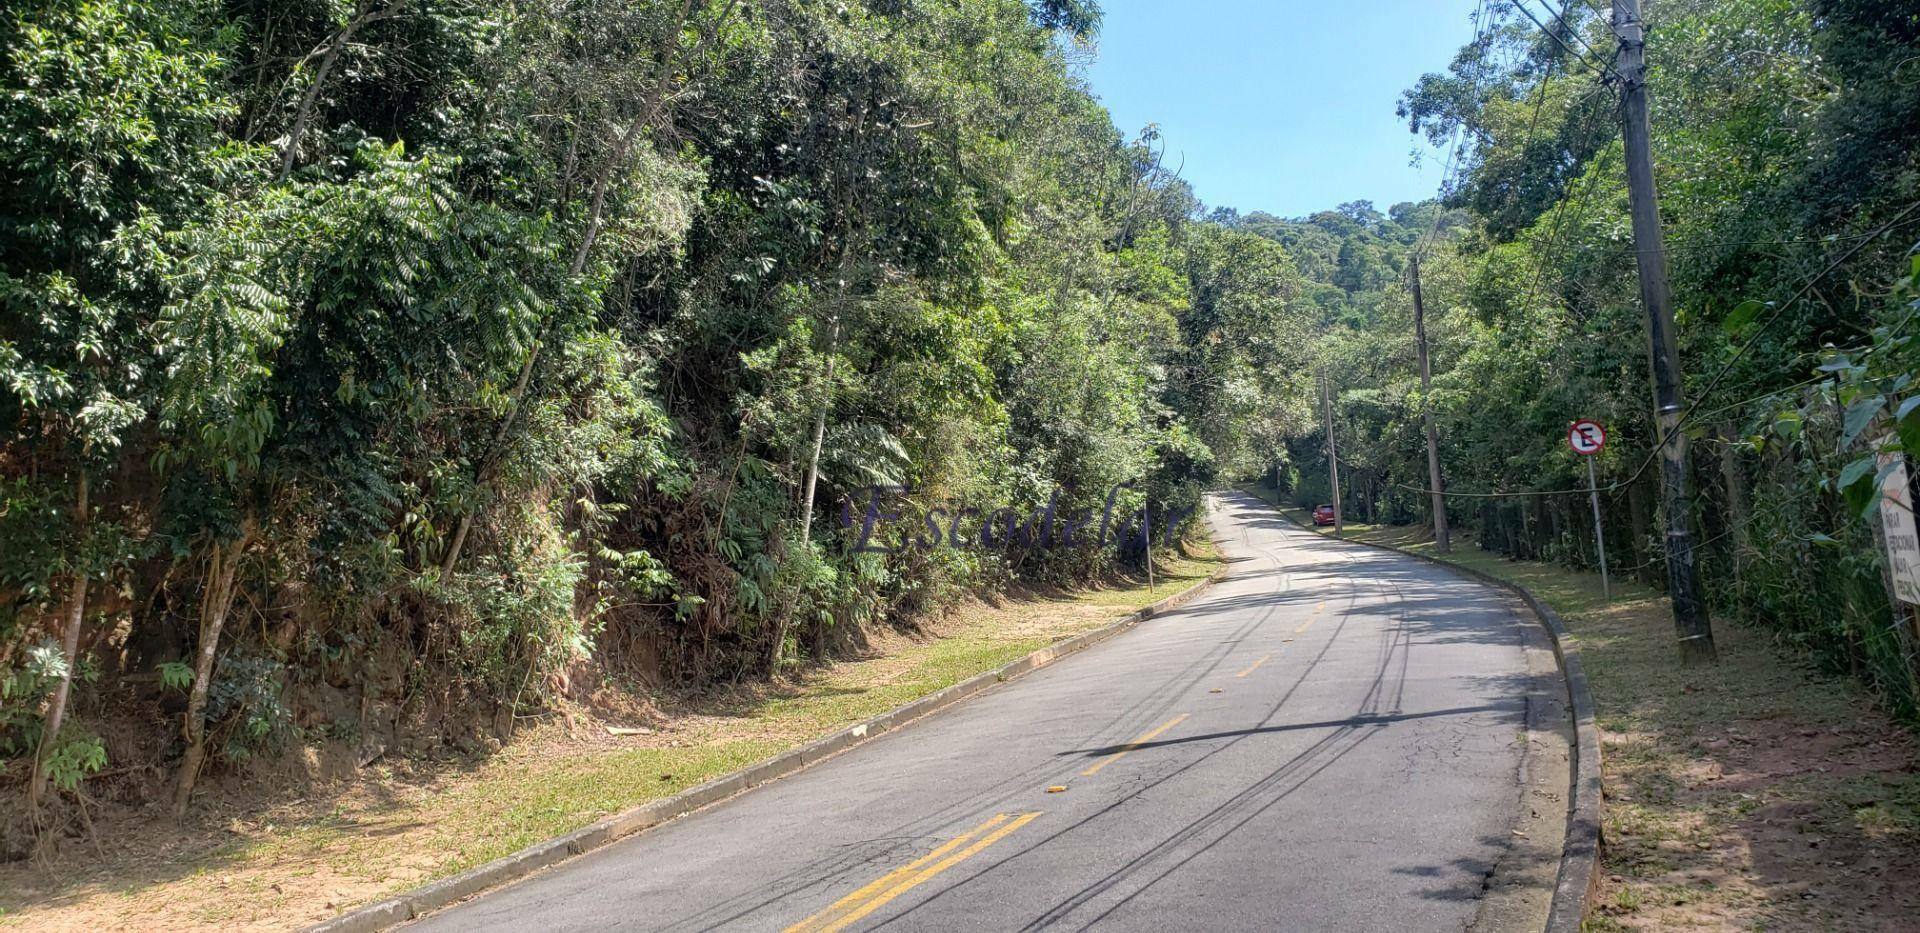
(1586, 437)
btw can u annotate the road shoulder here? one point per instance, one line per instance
(542, 856)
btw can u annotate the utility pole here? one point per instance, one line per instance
(1690, 620)
(1333, 453)
(1442, 539)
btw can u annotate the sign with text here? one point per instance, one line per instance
(1586, 437)
(1898, 528)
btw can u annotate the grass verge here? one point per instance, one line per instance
(1757, 793)
(396, 826)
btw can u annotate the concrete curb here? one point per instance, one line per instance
(420, 901)
(1580, 857)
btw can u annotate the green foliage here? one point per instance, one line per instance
(492, 339)
(75, 752)
(1876, 385)
(22, 691)
(175, 675)
(1786, 188)
(245, 709)
(70, 760)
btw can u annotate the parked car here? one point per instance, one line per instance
(1323, 515)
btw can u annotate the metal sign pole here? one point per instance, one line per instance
(1599, 533)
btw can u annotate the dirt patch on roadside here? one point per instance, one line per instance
(1755, 794)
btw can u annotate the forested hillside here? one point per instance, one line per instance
(381, 373)
(1784, 149)
(373, 372)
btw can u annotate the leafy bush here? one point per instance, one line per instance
(246, 709)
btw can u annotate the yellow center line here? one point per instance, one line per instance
(1316, 614)
(848, 910)
(1251, 667)
(893, 877)
(1130, 746)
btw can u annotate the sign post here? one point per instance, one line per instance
(1588, 438)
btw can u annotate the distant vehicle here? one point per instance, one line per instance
(1323, 515)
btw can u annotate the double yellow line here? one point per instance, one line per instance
(848, 910)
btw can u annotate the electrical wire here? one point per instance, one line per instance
(1449, 174)
(1562, 43)
(1561, 18)
(1741, 351)
(1693, 409)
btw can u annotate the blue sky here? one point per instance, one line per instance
(1284, 106)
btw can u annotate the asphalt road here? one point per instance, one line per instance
(1332, 738)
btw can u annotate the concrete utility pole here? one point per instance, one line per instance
(1333, 453)
(1689, 610)
(1442, 539)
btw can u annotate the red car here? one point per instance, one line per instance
(1323, 515)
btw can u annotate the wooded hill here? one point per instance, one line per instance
(372, 371)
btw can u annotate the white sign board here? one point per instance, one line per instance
(1586, 437)
(1898, 528)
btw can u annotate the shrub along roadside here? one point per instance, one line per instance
(387, 367)
(302, 862)
(1754, 793)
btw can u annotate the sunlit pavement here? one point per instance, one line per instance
(1328, 739)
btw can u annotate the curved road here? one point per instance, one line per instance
(1333, 737)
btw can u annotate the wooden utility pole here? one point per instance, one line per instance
(1442, 539)
(1690, 620)
(1333, 452)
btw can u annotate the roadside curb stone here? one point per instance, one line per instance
(535, 858)
(1579, 872)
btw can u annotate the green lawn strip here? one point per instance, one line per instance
(517, 803)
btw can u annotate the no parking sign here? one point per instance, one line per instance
(1586, 437)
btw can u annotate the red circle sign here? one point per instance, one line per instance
(1586, 437)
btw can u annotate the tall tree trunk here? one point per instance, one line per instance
(76, 610)
(819, 433)
(361, 18)
(214, 606)
(813, 466)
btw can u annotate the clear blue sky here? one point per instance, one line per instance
(1284, 106)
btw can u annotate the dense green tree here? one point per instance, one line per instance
(440, 355)
(1784, 152)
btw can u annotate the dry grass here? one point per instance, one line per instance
(396, 826)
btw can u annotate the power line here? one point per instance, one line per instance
(1559, 212)
(1562, 43)
(1790, 302)
(1723, 244)
(1449, 174)
(1693, 410)
(1574, 32)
